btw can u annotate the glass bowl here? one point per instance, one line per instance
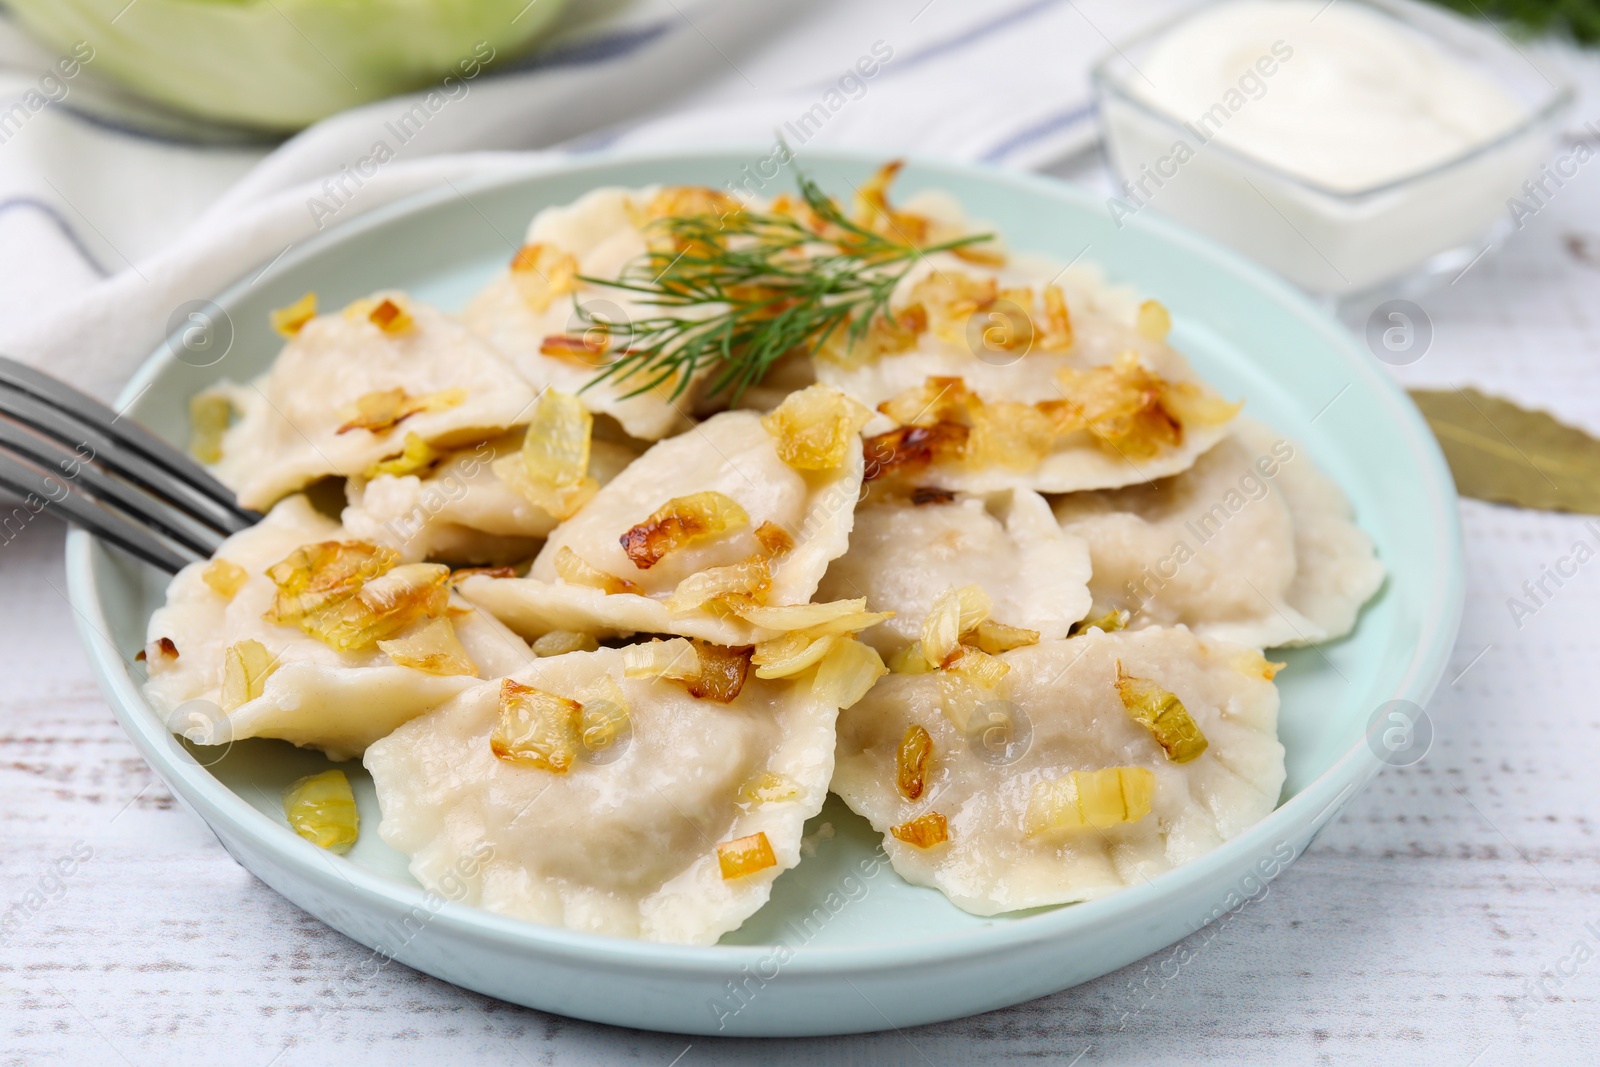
(1331, 241)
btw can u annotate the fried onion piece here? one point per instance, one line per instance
(1110, 622)
(1133, 411)
(536, 728)
(873, 211)
(1248, 661)
(676, 659)
(587, 349)
(560, 642)
(415, 457)
(995, 637)
(816, 427)
(1095, 800)
(350, 595)
(552, 468)
(224, 577)
(767, 788)
(912, 448)
(390, 317)
(911, 762)
(885, 334)
(210, 415)
(722, 672)
(680, 522)
(951, 299)
(683, 202)
(322, 809)
(383, 608)
(289, 320)
(431, 647)
(316, 577)
(380, 411)
(246, 666)
(846, 672)
(1153, 322)
(1163, 714)
(542, 272)
(956, 612)
(745, 855)
(967, 682)
(575, 570)
(925, 831)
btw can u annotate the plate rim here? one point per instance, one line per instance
(1290, 820)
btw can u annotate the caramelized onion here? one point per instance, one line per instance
(816, 427)
(911, 762)
(575, 570)
(722, 672)
(224, 577)
(560, 642)
(680, 522)
(381, 411)
(322, 809)
(925, 831)
(1163, 714)
(846, 672)
(390, 317)
(909, 448)
(415, 457)
(767, 788)
(1250, 662)
(994, 638)
(955, 613)
(1153, 321)
(541, 272)
(289, 320)
(431, 647)
(745, 855)
(536, 729)
(1090, 800)
(246, 666)
(210, 415)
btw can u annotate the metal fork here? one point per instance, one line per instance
(61, 448)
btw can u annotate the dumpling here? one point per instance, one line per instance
(1252, 545)
(647, 812)
(1073, 397)
(904, 555)
(1336, 568)
(220, 672)
(460, 511)
(1004, 815)
(528, 312)
(351, 389)
(780, 528)
(1212, 548)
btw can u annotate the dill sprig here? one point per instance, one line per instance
(746, 288)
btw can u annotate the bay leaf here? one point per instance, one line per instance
(1507, 454)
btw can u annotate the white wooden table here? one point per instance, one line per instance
(1452, 915)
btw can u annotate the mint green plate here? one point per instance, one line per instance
(844, 945)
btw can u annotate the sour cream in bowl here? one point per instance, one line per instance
(1344, 145)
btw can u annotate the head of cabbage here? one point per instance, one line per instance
(280, 65)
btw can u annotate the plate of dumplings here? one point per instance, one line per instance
(865, 597)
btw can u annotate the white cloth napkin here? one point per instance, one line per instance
(106, 227)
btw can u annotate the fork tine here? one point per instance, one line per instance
(33, 484)
(115, 445)
(68, 464)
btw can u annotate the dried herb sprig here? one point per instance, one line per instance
(746, 288)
